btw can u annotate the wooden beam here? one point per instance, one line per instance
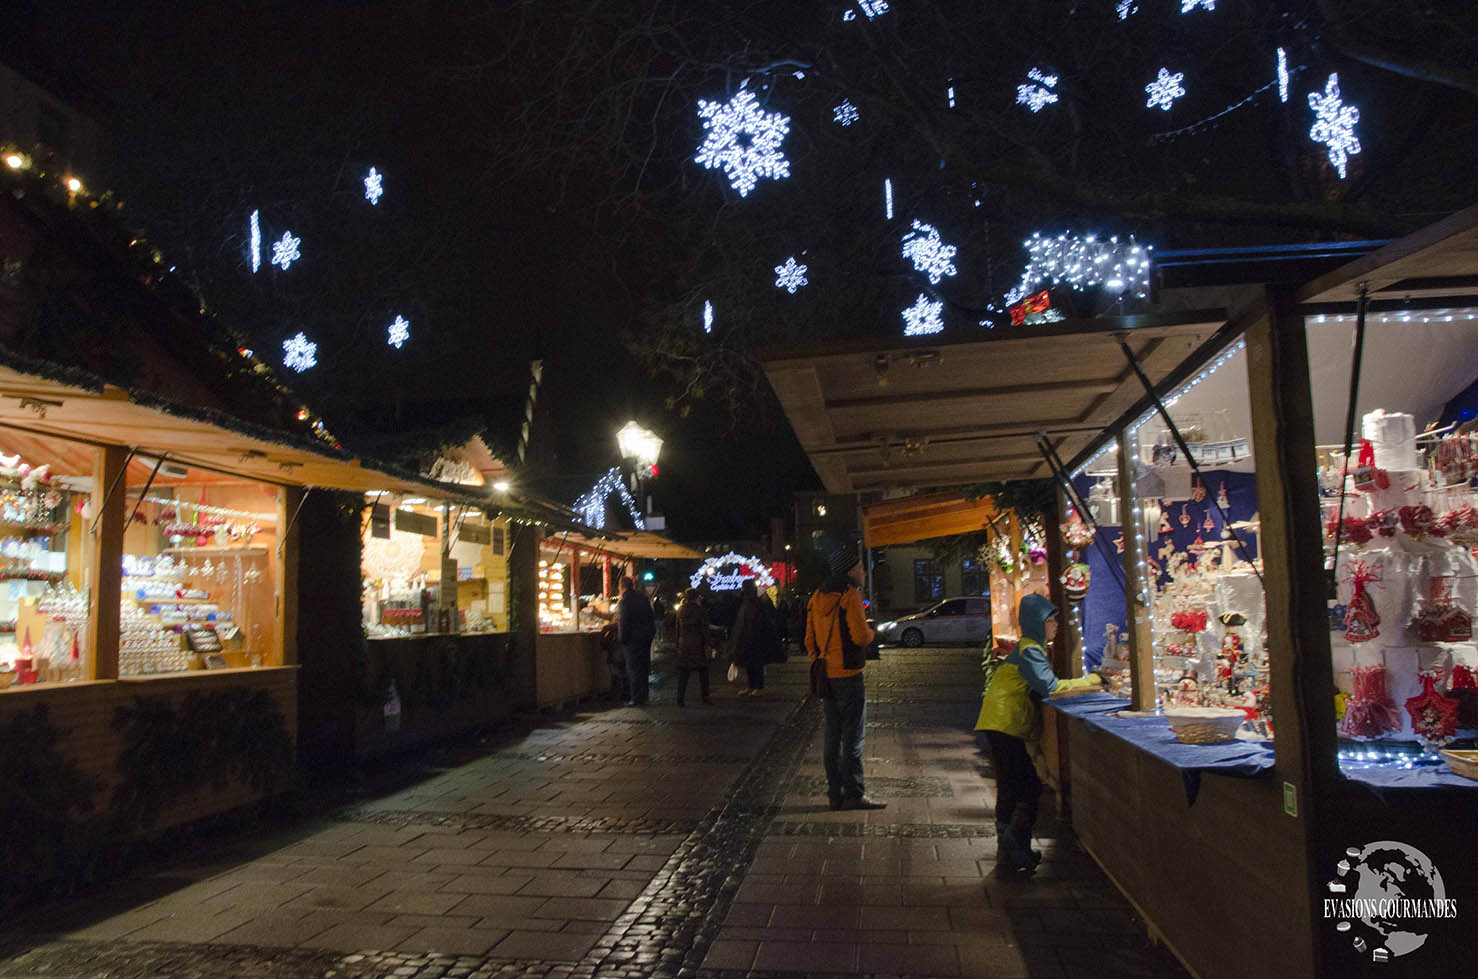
(106, 580)
(967, 394)
(289, 501)
(1136, 586)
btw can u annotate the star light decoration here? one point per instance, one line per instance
(400, 332)
(1037, 92)
(592, 505)
(1083, 262)
(374, 186)
(846, 113)
(790, 276)
(743, 140)
(922, 317)
(1335, 125)
(285, 250)
(1164, 90)
(299, 353)
(927, 251)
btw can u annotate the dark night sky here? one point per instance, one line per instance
(197, 98)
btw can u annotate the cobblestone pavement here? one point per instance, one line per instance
(629, 842)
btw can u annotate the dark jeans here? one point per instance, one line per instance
(1017, 784)
(682, 682)
(846, 721)
(638, 670)
(756, 676)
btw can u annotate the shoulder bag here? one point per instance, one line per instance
(820, 682)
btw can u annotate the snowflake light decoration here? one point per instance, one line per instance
(1037, 92)
(1335, 125)
(299, 353)
(1083, 262)
(400, 332)
(1164, 90)
(285, 250)
(374, 186)
(790, 276)
(592, 505)
(743, 140)
(707, 316)
(928, 252)
(1186, 6)
(256, 241)
(1126, 7)
(922, 317)
(873, 8)
(888, 197)
(846, 113)
(1282, 75)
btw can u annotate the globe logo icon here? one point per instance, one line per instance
(1383, 893)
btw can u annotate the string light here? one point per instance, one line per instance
(922, 317)
(285, 250)
(592, 505)
(256, 241)
(1164, 90)
(1126, 7)
(927, 251)
(1037, 93)
(949, 95)
(888, 197)
(400, 332)
(1282, 75)
(1335, 124)
(1084, 262)
(1430, 316)
(748, 159)
(374, 186)
(873, 8)
(214, 511)
(790, 276)
(299, 353)
(708, 573)
(846, 113)
(707, 316)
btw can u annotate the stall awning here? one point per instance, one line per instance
(905, 413)
(1440, 260)
(629, 544)
(916, 518)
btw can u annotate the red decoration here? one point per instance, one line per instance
(1189, 621)
(1361, 620)
(1356, 530)
(1370, 712)
(1419, 521)
(1367, 478)
(1464, 690)
(1438, 619)
(1037, 302)
(1433, 716)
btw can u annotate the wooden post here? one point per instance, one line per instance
(1137, 587)
(289, 506)
(103, 601)
(1066, 651)
(1018, 577)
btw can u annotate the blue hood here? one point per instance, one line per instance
(1033, 614)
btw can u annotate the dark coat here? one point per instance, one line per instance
(634, 622)
(745, 646)
(769, 632)
(692, 637)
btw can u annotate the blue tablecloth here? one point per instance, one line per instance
(1383, 780)
(1152, 735)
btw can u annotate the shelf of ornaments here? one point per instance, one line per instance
(217, 550)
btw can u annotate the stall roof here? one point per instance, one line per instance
(916, 518)
(909, 413)
(631, 544)
(1439, 260)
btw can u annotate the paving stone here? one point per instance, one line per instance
(928, 960)
(418, 902)
(587, 908)
(806, 957)
(544, 945)
(455, 941)
(348, 936)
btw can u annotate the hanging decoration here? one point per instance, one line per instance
(1164, 90)
(888, 197)
(927, 251)
(1124, 8)
(1362, 622)
(592, 505)
(790, 276)
(256, 241)
(1082, 263)
(922, 317)
(1335, 124)
(872, 8)
(1186, 6)
(1282, 75)
(1370, 712)
(1037, 93)
(400, 332)
(711, 573)
(845, 114)
(1433, 716)
(374, 186)
(285, 250)
(743, 140)
(299, 353)
(707, 316)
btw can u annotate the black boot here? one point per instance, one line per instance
(1022, 821)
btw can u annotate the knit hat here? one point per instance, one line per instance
(843, 559)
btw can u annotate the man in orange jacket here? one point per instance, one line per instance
(836, 628)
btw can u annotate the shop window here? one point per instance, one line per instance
(928, 581)
(200, 572)
(974, 577)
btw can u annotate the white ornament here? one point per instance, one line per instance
(1282, 75)
(1037, 92)
(256, 241)
(846, 113)
(592, 506)
(888, 197)
(743, 140)
(707, 316)
(922, 317)
(1186, 6)
(1082, 263)
(299, 353)
(790, 276)
(285, 250)
(400, 332)
(710, 573)
(1335, 126)
(374, 186)
(1164, 90)
(928, 252)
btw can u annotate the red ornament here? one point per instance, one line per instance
(1361, 620)
(1370, 712)
(1418, 521)
(1433, 716)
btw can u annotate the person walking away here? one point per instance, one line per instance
(635, 628)
(744, 640)
(1011, 716)
(692, 645)
(771, 643)
(837, 630)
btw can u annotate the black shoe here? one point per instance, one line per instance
(681, 704)
(863, 802)
(834, 802)
(708, 701)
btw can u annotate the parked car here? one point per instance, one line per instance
(954, 620)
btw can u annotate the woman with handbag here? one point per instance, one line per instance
(692, 645)
(747, 643)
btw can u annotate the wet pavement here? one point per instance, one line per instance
(662, 841)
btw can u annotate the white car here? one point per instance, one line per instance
(954, 620)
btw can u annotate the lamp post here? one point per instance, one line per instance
(641, 447)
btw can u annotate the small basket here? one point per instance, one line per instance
(1205, 725)
(1464, 763)
(7, 677)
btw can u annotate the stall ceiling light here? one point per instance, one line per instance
(1410, 316)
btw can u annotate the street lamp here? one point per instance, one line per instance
(641, 446)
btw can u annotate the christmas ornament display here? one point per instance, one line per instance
(1369, 712)
(1433, 716)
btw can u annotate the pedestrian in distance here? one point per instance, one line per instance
(837, 631)
(635, 628)
(771, 643)
(746, 648)
(1011, 717)
(692, 645)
